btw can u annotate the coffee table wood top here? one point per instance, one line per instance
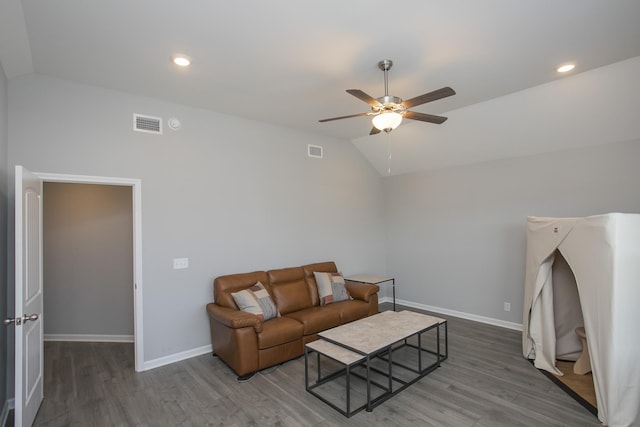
(373, 333)
(336, 352)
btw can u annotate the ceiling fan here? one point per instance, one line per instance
(388, 111)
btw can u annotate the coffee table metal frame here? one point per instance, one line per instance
(350, 357)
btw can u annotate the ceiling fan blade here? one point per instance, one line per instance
(374, 131)
(428, 97)
(424, 117)
(364, 97)
(343, 117)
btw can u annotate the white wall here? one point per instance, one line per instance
(230, 194)
(456, 236)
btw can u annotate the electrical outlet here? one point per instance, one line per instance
(179, 263)
(507, 306)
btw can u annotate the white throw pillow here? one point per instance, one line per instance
(256, 300)
(331, 287)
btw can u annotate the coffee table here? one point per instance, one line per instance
(367, 350)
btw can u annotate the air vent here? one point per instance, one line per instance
(147, 124)
(314, 151)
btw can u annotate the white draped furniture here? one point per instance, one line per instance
(603, 252)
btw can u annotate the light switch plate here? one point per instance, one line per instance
(179, 263)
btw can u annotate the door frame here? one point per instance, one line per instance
(136, 185)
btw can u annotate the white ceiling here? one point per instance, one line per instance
(289, 62)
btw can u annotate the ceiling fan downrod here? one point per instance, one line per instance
(390, 103)
(385, 65)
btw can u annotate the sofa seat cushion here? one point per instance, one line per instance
(278, 331)
(350, 310)
(316, 319)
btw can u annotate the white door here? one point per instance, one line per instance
(28, 292)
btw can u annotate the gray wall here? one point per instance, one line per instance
(230, 194)
(88, 259)
(456, 237)
(4, 191)
(236, 195)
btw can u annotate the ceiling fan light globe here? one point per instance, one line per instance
(387, 121)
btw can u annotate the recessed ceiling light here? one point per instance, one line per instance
(566, 68)
(181, 60)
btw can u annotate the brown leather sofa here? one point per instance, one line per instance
(247, 344)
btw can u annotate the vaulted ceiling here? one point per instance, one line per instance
(289, 63)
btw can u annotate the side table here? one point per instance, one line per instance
(375, 280)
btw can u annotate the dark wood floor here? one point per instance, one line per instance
(485, 382)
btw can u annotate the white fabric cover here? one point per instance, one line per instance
(603, 251)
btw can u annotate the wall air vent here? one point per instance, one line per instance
(147, 124)
(314, 151)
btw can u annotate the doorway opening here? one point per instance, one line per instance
(87, 237)
(136, 200)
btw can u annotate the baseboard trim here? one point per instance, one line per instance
(454, 313)
(177, 357)
(89, 338)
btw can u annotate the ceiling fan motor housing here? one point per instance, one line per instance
(389, 103)
(388, 99)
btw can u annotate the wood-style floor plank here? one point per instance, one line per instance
(485, 382)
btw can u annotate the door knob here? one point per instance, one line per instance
(32, 317)
(10, 320)
(20, 320)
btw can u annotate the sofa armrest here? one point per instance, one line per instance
(361, 291)
(233, 318)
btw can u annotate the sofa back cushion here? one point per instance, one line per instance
(224, 286)
(290, 289)
(309, 269)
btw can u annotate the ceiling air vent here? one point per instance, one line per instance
(147, 124)
(314, 151)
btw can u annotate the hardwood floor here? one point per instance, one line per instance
(485, 382)
(582, 385)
